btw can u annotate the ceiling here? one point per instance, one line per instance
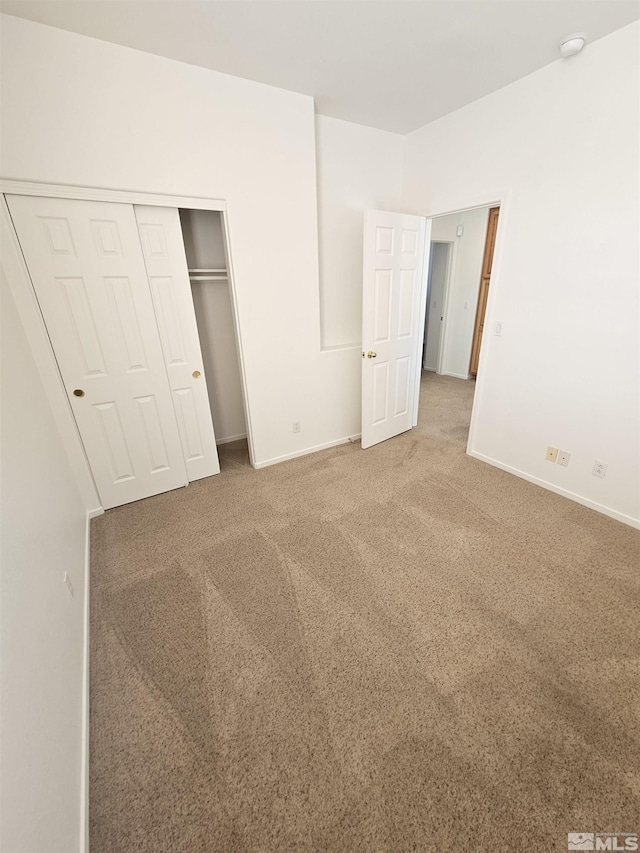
(390, 64)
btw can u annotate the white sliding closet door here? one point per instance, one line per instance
(163, 248)
(87, 268)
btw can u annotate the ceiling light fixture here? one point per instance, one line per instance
(571, 45)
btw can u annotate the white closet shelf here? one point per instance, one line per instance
(208, 270)
(208, 278)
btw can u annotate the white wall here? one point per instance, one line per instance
(464, 284)
(359, 168)
(42, 535)
(81, 111)
(562, 146)
(204, 246)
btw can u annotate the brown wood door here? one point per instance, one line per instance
(483, 294)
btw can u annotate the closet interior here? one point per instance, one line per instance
(204, 243)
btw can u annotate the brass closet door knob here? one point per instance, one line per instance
(196, 374)
(371, 354)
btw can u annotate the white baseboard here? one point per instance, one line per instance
(306, 451)
(455, 375)
(94, 513)
(565, 493)
(84, 771)
(230, 438)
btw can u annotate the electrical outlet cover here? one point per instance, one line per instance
(599, 469)
(564, 457)
(552, 454)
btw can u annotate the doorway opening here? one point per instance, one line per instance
(206, 249)
(460, 264)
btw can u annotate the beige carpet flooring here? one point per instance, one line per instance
(397, 649)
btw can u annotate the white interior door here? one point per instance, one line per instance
(392, 322)
(87, 268)
(164, 255)
(435, 309)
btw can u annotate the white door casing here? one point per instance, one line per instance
(392, 314)
(86, 264)
(166, 263)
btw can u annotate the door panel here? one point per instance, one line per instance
(394, 247)
(88, 272)
(166, 262)
(406, 316)
(115, 442)
(128, 327)
(380, 401)
(403, 366)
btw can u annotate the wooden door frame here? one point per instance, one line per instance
(481, 304)
(497, 198)
(23, 292)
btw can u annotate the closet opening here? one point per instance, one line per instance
(206, 247)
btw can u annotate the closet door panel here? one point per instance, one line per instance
(166, 263)
(88, 272)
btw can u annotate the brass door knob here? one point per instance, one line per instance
(78, 392)
(196, 374)
(371, 354)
